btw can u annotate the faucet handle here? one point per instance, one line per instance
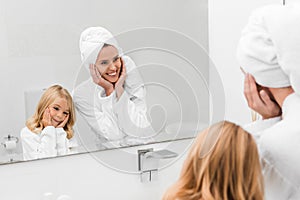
(161, 154)
(148, 162)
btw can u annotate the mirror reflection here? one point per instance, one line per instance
(112, 100)
(49, 132)
(142, 85)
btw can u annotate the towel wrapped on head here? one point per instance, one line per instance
(269, 47)
(91, 42)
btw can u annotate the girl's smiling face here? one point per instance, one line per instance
(109, 63)
(59, 110)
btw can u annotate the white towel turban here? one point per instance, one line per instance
(269, 47)
(91, 42)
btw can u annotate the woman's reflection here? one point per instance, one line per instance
(112, 100)
(49, 131)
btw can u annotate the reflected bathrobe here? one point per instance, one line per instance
(49, 143)
(112, 119)
(278, 142)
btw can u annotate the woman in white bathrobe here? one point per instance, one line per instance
(49, 132)
(112, 101)
(269, 51)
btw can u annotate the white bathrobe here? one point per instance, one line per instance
(269, 49)
(112, 119)
(278, 143)
(49, 143)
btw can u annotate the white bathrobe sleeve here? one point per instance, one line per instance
(256, 128)
(49, 143)
(110, 117)
(131, 113)
(279, 148)
(96, 109)
(39, 145)
(277, 187)
(62, 142)
(277, 144)
(131, 109)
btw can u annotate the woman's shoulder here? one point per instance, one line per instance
(84, 90)
(83, 86)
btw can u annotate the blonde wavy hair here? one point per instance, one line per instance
(223, 164)
(35, 124)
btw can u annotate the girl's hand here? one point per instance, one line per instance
(63, 123)
(108, 87)
(119, 86)
(46, 120)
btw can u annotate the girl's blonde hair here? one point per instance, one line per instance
(56, 91)
(223, 164)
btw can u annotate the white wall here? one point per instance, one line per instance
(226, 21)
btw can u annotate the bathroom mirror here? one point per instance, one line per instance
(167, 40)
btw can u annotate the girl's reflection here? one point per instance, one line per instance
(49, 132)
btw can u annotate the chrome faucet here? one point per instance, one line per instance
(148, 162)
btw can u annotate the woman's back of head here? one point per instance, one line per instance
(223, 164)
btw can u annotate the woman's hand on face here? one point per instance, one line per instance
(47, 118)
(259, 101)
(119, 86)
(108, 87)
(63, 123)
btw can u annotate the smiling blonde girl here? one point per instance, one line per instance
(49, 130)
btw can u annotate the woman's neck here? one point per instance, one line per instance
(281, 93)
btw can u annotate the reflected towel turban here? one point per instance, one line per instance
(91, 42)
